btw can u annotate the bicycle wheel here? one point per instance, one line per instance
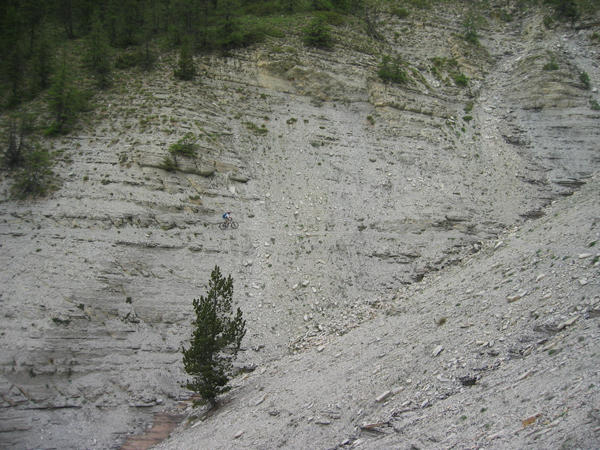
(234, 225)
(223, 225)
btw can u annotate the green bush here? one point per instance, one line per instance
(401, 13)
(65, 101)
(548, 22)
(318, 34)
(505, 16)
(472, 37)
(390, 70)
(461, 80)
(169, 165)
(594, 105)
(186, 70)
(467, 118)
(565, 9)
(256, 129)
(552, 65)
(585, 79)
(187, 146)
(34, 178)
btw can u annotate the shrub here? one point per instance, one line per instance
(59, 321)
(401, 13)
(585, 79)
(34, 178)
(548, 22)
(566, 9)
(594, 105)
(318, 34)
(461, 80)
(552, 65)
(216, 339)
(186, 146)
(65, 101)
(169, 165)
(471, 24)
(472, 37)
(467, 118)
(390, 70)
(186, 68)
(17, 142)
(256, 129)
(505, 16)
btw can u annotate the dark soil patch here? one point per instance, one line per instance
(163, 426)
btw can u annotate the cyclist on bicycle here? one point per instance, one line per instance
(227, 217)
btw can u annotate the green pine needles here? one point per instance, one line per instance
(216, 339)
(187, 69)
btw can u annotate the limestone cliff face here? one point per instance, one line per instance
(345, 188)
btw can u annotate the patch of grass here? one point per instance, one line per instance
(552, 65)
(258, 131)
(467, 118)
(594, 105)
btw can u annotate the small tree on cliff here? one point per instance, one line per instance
(216, 339)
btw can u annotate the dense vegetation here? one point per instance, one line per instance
(56, 53)
(32, 33)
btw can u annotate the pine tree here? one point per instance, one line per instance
(216, 339)
(64, 100)
(187, 68)
(97, 57)
(34, 178)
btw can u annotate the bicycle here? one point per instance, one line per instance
(228, 223)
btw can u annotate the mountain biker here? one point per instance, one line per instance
(227, 217)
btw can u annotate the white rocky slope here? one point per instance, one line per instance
(337, 212)
(500, 351)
